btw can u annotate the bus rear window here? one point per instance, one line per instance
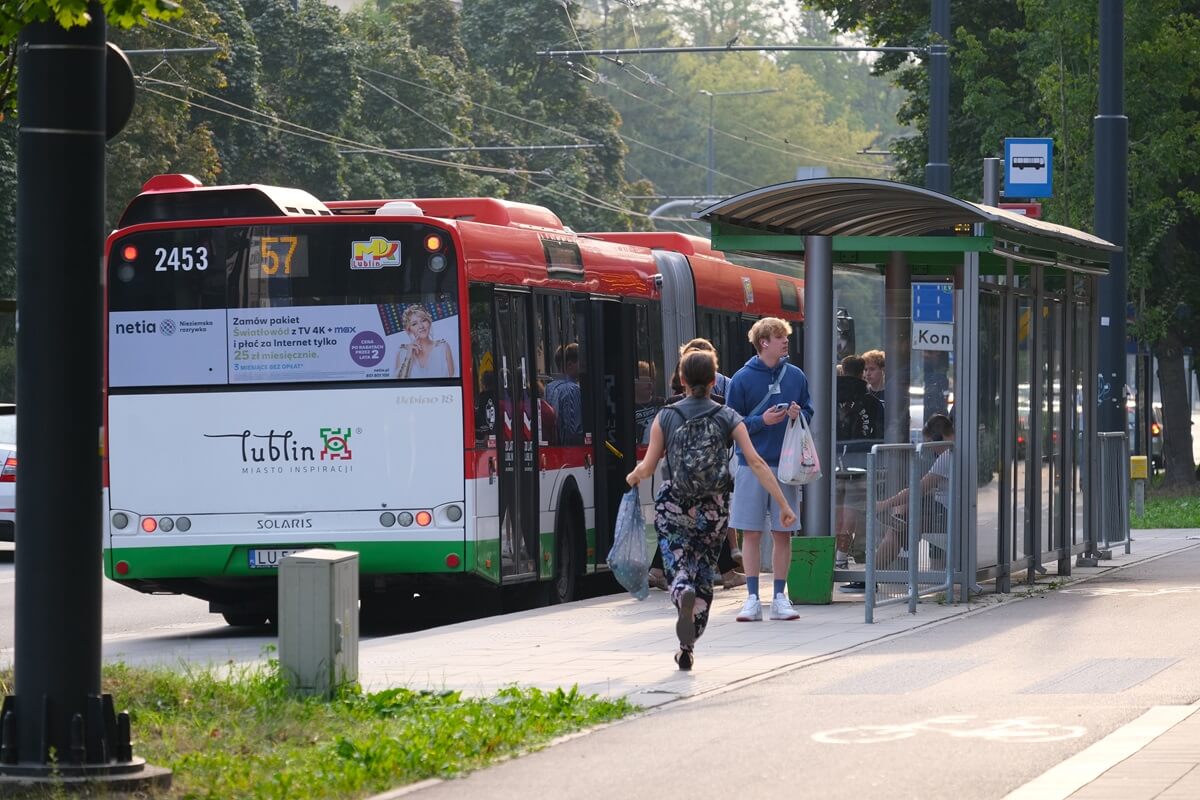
(283, 303)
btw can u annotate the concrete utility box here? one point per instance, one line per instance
(318, 620)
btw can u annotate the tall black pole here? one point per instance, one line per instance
(1112, 186)
(712, 151)
(937, 170)
(57, 726)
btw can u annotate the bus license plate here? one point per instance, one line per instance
(270, 559)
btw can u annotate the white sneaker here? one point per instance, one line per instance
(751, 610)
(781, 608)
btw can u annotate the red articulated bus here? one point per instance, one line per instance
(454, 388)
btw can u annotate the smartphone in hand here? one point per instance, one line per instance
(780, 407)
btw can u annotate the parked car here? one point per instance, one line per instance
(8, 472)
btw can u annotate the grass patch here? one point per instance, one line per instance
(245, 737)
(1166, 511)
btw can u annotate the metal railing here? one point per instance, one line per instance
(911, 546)
(1112, 481)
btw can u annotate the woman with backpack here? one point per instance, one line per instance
(692, 505)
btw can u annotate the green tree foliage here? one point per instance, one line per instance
(811, 110)
(1032, 68)
(69, 14)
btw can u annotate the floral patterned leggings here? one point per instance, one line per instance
(689, 536)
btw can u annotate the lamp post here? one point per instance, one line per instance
(712, 150)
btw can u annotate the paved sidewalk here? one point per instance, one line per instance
(1155, 757)
(614, 646)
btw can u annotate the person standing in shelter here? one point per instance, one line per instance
(873, 373)
(767, 391)
(691, 508)
(859, 425)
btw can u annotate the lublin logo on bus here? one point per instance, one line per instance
(376, 253)
(275, 448)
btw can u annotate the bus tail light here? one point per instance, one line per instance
(452, 560)
(433, 243)
(120, 520)
(9, 473)
(122, 568)
(404, 518)
(424, 518)
(149, 524)
(166, 524)
(387, 519)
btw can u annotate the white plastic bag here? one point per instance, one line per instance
(798, 460)
(628, 559)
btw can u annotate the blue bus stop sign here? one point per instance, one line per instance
(1028, 167)
(932, 302)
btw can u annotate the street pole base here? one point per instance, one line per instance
(39, 780)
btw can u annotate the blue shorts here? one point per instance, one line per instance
(751, 502)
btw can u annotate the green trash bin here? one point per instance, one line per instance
(810, 577)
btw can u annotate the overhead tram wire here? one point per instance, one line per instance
(304, 132)
(413, 111)
(623, 136)
(798, 149)
(327, 138)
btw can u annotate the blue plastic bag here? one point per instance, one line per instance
(628, 558)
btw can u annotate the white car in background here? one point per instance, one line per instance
(8, 472)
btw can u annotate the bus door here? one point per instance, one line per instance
(517, 471)
(612, 386)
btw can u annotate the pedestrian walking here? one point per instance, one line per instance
(766, 391)
(691, 507)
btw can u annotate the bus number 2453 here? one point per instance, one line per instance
(174, 259)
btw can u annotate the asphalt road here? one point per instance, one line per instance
(975, 707)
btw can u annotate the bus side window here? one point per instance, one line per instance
(576, 321)
(546, 335)
(564, 393)
(648, 385)
(483, 338)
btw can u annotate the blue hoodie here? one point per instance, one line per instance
(747, 388)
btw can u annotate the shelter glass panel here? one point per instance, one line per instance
(990, 382)
(1024, 373)
(1081, 347)
(1051, 427)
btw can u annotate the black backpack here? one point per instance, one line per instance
(698, 456)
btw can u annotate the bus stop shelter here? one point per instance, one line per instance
(1021, 352)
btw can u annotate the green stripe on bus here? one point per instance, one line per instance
(207, 561)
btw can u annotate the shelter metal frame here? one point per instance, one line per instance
(913, 231)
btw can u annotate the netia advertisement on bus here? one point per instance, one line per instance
(381, 341)
(323, 450)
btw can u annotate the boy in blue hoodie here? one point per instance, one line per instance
(767, 391)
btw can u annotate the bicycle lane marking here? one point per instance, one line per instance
(1013, 729)
(1079, 770)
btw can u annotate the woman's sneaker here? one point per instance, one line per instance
(781, 608)
(751, 610)
(685, 659)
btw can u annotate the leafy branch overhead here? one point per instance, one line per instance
(68, 14)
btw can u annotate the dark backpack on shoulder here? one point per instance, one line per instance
(698, 456)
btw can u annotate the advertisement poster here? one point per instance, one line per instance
(167, 348)
(253, 452)
(346, 342)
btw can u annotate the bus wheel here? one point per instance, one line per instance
(566, 562)
(245, 619)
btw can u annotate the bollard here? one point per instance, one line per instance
(1138, 473)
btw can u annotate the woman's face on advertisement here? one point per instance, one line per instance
(419, 327)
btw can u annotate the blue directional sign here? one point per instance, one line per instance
(1028, 167)
(932, 302)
